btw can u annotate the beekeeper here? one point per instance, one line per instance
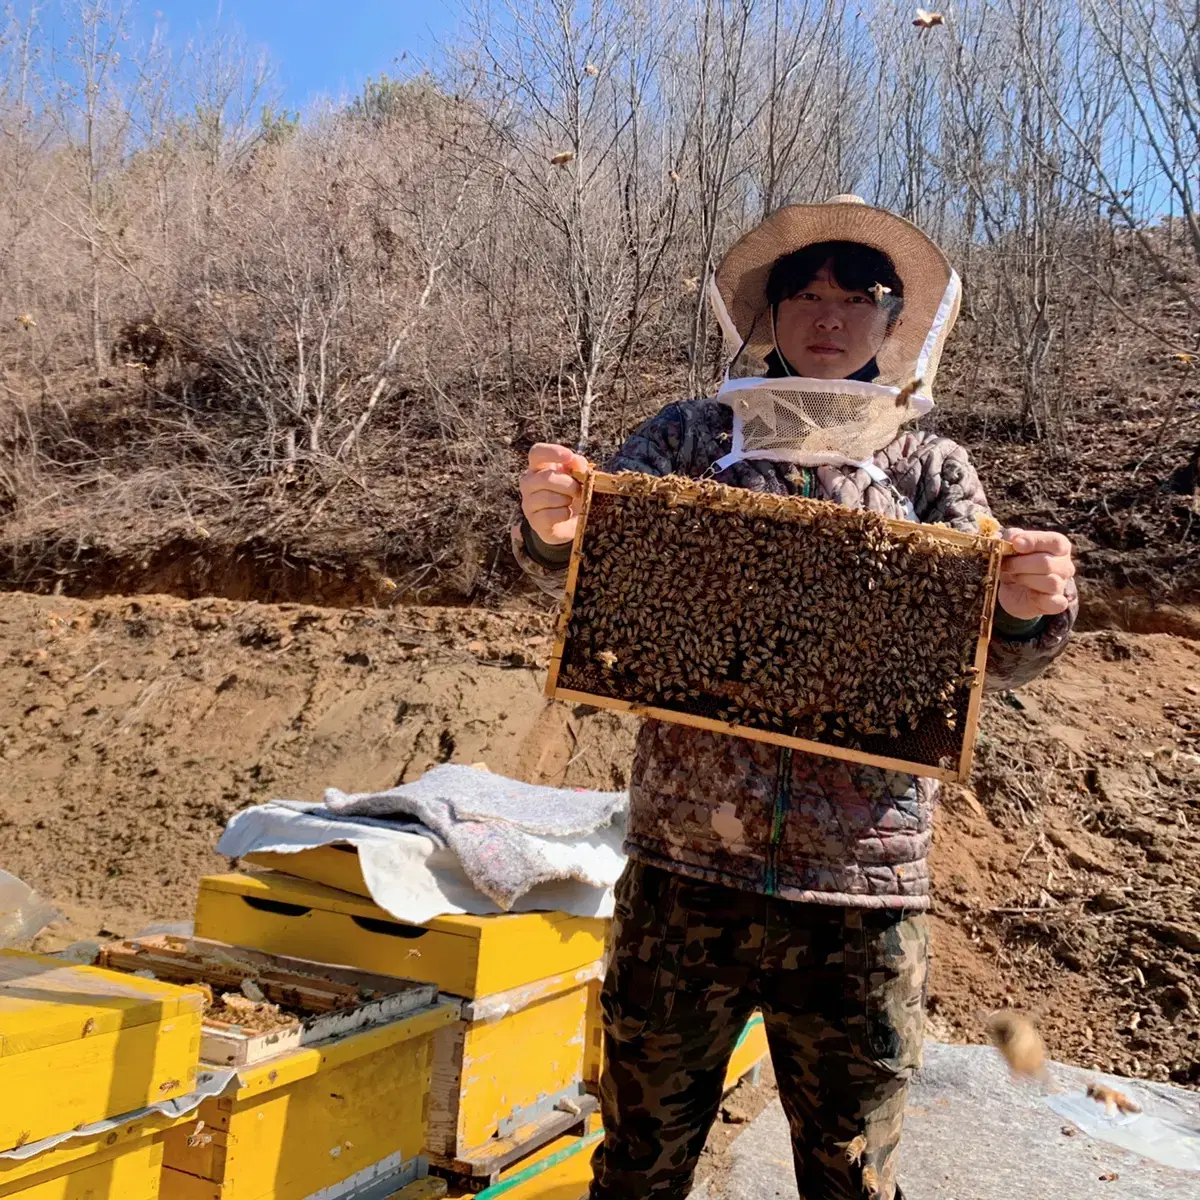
(831, 314)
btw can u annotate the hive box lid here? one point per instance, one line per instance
(45, 1002)
(275, 886)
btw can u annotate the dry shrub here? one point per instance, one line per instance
(213, 312)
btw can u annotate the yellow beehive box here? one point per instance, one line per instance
(464, 955)
(510, 1075)
(336, 865)
(279, 1004)
(561, 1170)
(122, 1163)
(80, 1045)
(748, 1054)
(326, 1120)
(593, 1052)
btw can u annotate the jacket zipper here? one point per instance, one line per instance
(783, 788)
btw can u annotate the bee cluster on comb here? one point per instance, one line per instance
(789, 619)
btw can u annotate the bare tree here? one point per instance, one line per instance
(101, 94)
(513, 242)
(1143, 164)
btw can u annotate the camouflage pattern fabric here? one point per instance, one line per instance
(548, 579)
(758, 817)
(841, 991)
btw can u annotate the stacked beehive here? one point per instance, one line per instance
(509, 1075)
(332, 1067)
(469, 1043)
(519, 1070)
(79, 1047)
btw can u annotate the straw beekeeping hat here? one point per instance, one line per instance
(931, 290)
(830, 421)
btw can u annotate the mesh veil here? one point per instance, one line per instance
(816, 422)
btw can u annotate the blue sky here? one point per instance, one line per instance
(319, 46)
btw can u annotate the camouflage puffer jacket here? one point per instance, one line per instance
(756, 816)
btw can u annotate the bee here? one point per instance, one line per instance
(1112, 1100)
(908, 391)
(1018, 1040)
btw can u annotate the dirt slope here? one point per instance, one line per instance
(1067, 880)
(130, 730)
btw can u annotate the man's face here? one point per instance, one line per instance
(825, 332)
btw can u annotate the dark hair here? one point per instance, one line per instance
(855, 267)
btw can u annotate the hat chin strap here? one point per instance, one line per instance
(787, 366)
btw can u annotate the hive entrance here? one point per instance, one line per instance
(789, 620)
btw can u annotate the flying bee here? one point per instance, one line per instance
(1112, 1100)
(1015, 1036)
(908, 391)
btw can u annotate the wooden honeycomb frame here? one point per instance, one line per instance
(993, 549)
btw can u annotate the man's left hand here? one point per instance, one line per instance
(1033, 582)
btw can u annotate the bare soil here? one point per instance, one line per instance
(132, 729)
(1067, 877)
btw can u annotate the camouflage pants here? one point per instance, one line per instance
(841, 991)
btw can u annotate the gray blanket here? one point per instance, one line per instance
(509, 836)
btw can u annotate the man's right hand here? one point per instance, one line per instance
(550, 495)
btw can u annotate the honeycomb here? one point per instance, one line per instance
(795, 617)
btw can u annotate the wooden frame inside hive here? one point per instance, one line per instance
(785, 620)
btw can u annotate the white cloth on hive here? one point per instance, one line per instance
(509, 836)
(488, 860)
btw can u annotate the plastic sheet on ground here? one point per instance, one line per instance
(23, 913)
(972, 1133)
